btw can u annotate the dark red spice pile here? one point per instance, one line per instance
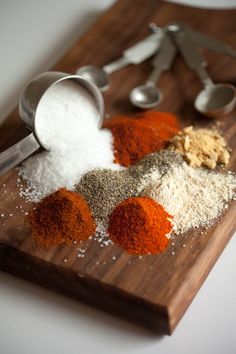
(61, 218)
(135, 137)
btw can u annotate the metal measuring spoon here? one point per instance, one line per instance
(133, 55)
(148, 95)
(214, 99)
(211, 43)
(28, 105)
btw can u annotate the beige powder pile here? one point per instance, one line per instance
(193, 196)
(201, 147)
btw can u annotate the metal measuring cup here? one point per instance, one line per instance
(28, 105)
(214, 99)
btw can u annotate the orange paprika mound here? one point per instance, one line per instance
(140, 225)
(61, 218)
(135, 137)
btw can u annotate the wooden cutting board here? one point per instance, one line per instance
(153, 291)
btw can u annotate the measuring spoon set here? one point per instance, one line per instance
(213, 100)
(162, 44)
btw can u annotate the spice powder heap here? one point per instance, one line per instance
(159, 185)
(103, 189)
(61, 218)
(135, 137)
(201, 147)
(140, 226)
(153, 167)
(193, 196)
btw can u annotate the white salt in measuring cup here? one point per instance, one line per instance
(28, 105)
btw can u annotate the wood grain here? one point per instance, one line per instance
(153, 291)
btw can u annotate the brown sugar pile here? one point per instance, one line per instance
(61, 218)
(138, 136)
(201, 147)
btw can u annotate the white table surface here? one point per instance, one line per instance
(33, 35)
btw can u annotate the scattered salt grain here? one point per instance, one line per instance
(81, 252)
(80, 275)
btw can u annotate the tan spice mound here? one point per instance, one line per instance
(201, 147)
(195, 197)
(61, 218)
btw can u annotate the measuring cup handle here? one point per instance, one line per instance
(116, 65)
(17, 153)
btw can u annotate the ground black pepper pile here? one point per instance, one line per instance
(103, 189)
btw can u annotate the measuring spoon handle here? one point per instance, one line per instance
(137, 53)
(163, 60)
(191, 55)
(116, 65)
(17, 153)
(211, 43)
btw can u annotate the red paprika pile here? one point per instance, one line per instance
(135, 137)
(140, 226)
(61, 218)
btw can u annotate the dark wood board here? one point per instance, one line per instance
(153, 291)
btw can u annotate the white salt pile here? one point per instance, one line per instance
(67, 123)
(65, 110)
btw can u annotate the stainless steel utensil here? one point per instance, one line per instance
(148, 95)
(28, 104)
(133, 55)
(211, 43)
(214, 99)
